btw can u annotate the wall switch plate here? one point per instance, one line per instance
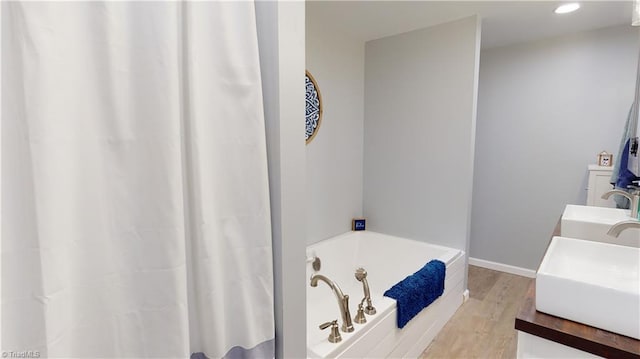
(358, 224)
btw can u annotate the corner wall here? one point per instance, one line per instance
(420, 97)
(334, 156)
(545, 110)
(281, 44)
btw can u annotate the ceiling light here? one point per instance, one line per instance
(567, 8)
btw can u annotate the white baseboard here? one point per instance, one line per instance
(502, 267)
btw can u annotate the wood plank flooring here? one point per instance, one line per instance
(483, 326)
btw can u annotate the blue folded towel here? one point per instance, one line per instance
(418, 290)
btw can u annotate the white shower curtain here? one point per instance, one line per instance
(135, 201)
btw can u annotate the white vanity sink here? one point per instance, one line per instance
(593, 283)
(592, 223)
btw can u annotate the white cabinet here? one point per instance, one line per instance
(531, 346)
(599, 178)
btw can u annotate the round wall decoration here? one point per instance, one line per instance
(313, 114)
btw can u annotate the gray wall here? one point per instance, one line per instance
(420, 96)
(545, 110)
(635, 159)
(334, 157)
(281, 42)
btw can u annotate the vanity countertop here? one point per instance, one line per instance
(582, 337)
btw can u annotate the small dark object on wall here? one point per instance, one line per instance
(358, 224)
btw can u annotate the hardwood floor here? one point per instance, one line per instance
(483, 326)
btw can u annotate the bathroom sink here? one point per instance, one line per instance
(592, 223)
(593, 283)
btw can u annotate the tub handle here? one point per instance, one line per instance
(335, 336)
(360, 318)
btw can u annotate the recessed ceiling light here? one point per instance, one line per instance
(567, 8)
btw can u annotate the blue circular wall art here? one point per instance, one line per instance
(313, 114)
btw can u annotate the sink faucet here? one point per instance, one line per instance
(621, 226)
(343, 300)
(634, 198)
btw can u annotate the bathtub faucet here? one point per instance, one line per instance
(343, 300)
(361, 276)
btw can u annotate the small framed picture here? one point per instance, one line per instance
(358, 224)
(605, 159)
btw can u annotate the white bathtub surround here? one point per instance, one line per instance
(135, 208)
(387, 260)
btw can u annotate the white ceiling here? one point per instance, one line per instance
(503, 22)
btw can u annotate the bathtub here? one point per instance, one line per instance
(387, 260)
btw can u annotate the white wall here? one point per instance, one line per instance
(545, 110)
(334, 157)
(420, 96)
(281, 43)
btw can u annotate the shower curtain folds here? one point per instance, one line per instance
(135, 204)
